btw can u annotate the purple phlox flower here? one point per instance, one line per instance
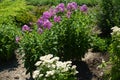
(83, 8)
(41, 21)
(46, 15)
(57, 18)
(25, 28)
(40, 31)
(72, 6)
(68, 14)
(52, 11)
(17, 39)
(60, 8)
(47, 24)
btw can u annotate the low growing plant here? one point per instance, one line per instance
(50, 68)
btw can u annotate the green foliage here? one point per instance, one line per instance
(98, 44)
(9, 9)
(25, 18)
(116, 8)
(55, 2)
(38, 10)
(31, 46)
(70, 38)
(7, 42)
(105, 17)
(115, 54)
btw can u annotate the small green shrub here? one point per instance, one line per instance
(7, 42)
(30, 45)
(115, 54)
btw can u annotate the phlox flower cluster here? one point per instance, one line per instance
(45, 21)
(50, 68)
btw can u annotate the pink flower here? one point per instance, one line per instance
(46, 15)
(71, 6)
(57, 18)
(84, 8)
(17, 39)
(52, 11)
(68, 14)
(60, 8)
(47, 24)
(25, 28)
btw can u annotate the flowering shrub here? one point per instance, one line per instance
(115, 53)
(69, 36)
(50, 68)
(7, 42)
(59, 30)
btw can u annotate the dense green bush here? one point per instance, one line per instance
(69, 38)
(10, 9)
(7, 42)
(115, 54)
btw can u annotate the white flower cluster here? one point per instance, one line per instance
(49, 68)
(115, 30)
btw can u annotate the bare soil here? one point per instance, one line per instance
(88, 68)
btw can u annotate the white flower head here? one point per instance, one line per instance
(49, 73)
(38, 63)
(74, 67)
(46, 57)
(36, 73)
(115, 29)
(40, 75)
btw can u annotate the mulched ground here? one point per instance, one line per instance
(88, 68)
